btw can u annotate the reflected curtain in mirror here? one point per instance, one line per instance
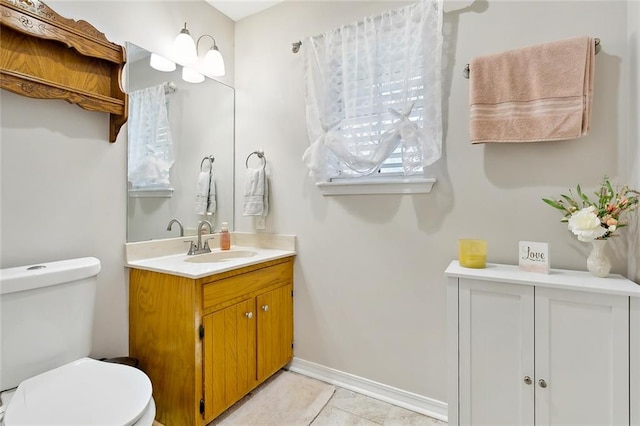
(150, 143)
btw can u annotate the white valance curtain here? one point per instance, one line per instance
(149, 137)
(372, 87)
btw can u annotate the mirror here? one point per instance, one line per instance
(201, 121)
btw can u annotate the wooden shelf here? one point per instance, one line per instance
(47, 56)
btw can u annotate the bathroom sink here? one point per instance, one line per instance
(220, 256)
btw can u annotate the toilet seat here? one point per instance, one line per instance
(83, 392)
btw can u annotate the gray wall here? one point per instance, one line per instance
(369, 273)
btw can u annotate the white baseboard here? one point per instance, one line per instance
(411, 401)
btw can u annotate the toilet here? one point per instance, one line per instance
(46, 377)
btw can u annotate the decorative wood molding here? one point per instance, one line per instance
(47, 56)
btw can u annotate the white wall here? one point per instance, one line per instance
(63, 184)
(370, 296)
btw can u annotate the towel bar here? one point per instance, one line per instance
(465, 71)
(170, 87)
(211, 159)
(260, 154)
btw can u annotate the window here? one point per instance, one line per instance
(372, 92)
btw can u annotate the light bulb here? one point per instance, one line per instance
(184, 48)
(214, 63)
(161, 63)
(191, 76)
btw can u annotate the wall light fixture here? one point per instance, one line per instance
(185, 51)
(213, 63)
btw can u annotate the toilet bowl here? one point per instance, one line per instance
(83, 392)
(46, 377)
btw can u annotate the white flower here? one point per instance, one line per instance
(612, 228)
(586, 224)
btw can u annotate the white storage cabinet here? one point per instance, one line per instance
(537, 349)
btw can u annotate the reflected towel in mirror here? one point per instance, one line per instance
(206, 191)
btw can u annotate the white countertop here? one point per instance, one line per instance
(169, 255)
(557, 278)
(176, 264)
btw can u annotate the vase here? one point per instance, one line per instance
(598, 263)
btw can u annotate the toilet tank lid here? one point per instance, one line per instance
(37, 275)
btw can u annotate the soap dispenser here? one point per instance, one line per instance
(225, 237)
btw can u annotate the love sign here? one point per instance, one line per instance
(533, 256)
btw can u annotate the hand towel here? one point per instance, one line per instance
(538, 93)
(211, 196)
(206, 192)
(256, 193)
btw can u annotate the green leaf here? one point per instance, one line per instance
(554, 204)
(584, 198)
(570, 200)
(608, 184)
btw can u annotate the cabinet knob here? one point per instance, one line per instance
(265, 308)
(248, 315)
(527, 380)
(542, 383)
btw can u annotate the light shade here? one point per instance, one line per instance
(191, 76)
(184, 48)
(161, 63)
(213, 62)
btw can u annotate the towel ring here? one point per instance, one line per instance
(211, 159)
(260, 154)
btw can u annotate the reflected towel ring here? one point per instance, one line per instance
(260, 154)
(211, 159)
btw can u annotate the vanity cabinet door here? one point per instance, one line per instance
(229, 356)
(582, 357)
(275, 330)
(496, 365)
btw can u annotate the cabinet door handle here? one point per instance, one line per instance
(248, 315)
(527, 380)
(542, 383)
(265, 308)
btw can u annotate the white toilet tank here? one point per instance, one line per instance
(46, 316)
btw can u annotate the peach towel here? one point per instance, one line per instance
(537, 93)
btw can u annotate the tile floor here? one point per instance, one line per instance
(347, 408)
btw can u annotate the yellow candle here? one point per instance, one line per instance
(472, 253)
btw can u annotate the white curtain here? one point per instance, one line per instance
(374, 86)
(149, 137)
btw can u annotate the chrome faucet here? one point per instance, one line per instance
(171, 222)
(199, 249)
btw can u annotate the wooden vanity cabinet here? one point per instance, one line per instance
(205, 343)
